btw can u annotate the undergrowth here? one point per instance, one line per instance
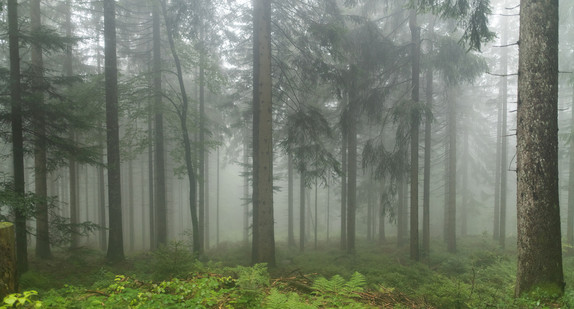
(479, 276)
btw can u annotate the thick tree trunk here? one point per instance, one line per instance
(8, 272)
(43, 250)
(17, 134)
(570, 217)
(263, 225)
(401, 213)
(116, 242)
(539, 244)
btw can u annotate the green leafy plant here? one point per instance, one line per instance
(21, 300)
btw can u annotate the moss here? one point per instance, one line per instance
(4, 225)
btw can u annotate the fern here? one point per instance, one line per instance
(277, 300)
(339, 286)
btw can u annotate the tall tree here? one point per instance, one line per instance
(17, 135)
(116, 243)
(415, 123)
(160, 207)
(290, 229)
(504, 139)
(183, 115)
(43, 250)
(427, 154)
(539, 244)
(263, 225)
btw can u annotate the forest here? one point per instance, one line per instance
(287, 154)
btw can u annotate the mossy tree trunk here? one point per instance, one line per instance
(8, 277)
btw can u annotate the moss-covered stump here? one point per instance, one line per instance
(8, 278)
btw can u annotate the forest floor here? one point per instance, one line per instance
(480, 275)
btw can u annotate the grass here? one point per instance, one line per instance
(480, 275)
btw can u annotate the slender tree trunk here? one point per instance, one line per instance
(302, 216)
(451, 212)
(43, 250)
(504, 140)
(245, 189)
(344, 192)
(197, 249)
(415, 124)
(201, 164)
(496, 224)
(131, 205)
(17, 134)
(217, 199)
(428, 150)
(539, 244)
(401, 213)
(290, 231)
(465, 190)
(263, 225)
(352, 173)
(116, 243)
(316, 214)
(382, 216)
(158, 210)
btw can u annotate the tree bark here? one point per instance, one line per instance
(43, 250)
(415, 123)
(344, 160)
(8, 272)
(263, 225)
(451, 210)
(539, 244)
(570, 217)
(116, 242)
(159, 209)
(290, 227)
(427, 158)
(302, 190)
(504, 139)
(17, 134)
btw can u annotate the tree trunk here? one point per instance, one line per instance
(344, 192)
(159, 202)
(8, 272)
(245, 187)
(539, 244)
(201, 162)
(504, 140)
(43, 250)
(415, 123)
(352, 172)
(217, 199)
(465, 190)
(401, 213)
(428, 150)
(451, 210)
(290, 231)
(496, 223)
(17, 135)
(570, 218)
(382, 216)
(197, 249)
(263, 225)
(316, 215)
(116, 242)
(302, 216)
